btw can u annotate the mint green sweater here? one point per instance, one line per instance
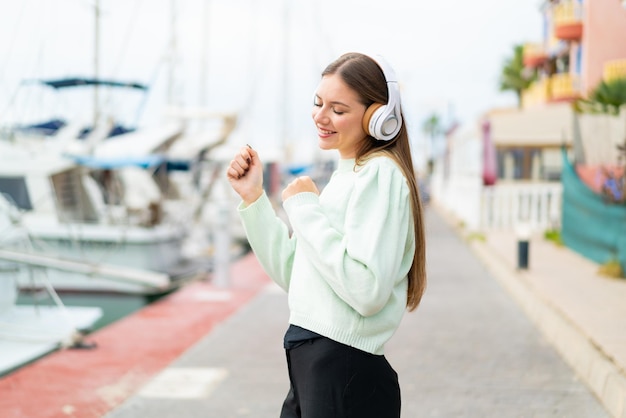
(345, 265)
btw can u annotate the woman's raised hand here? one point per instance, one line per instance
(300, 185)
(245, 174)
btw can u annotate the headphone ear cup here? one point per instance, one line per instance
(384, 121)
(368, 118)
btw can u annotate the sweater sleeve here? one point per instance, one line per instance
(366, 261)
(270, 240)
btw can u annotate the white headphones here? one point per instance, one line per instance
(383, 121)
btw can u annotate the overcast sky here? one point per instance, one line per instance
(447, 54)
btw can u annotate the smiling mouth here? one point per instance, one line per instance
(324, 131)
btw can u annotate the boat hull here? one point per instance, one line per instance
(144, 249)
(31, 332)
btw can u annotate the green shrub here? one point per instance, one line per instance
(476, 236)
(554, 235)
(611, 268)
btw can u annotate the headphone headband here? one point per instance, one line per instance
(383, 121)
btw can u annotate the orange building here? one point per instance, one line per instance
(584, 41)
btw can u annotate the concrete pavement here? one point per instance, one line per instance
(581, 313)
(480, 344)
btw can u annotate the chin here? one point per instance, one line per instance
(325, 145)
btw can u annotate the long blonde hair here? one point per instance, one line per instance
(362, 74)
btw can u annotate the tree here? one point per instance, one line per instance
(515, 76)
(432, 128)
(608, 97)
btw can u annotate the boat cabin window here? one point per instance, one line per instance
(73, 201)
(15, 191)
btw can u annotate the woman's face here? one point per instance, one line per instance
(337, 114)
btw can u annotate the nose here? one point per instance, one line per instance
(320, 115)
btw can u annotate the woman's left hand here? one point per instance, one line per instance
(300, 185)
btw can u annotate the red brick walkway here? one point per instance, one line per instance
(89, 383)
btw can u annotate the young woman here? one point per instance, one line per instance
(355, 260)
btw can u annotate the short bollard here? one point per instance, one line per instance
(523, 239)
(522, 255)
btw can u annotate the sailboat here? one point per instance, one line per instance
(104, 200)
(106, 209)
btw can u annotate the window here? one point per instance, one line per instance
(15, 191)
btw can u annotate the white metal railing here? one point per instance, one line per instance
(507, 206)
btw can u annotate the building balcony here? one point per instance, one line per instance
(534, 55)
(565, 87)
(568, 21)
(537, 94)
(614, 70)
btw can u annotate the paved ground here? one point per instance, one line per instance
(470, 350)
(580, 312)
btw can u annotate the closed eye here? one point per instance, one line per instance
(318, 103)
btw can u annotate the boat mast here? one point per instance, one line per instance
(171, 88)
(203, 94)
(96, 64)
(286, 143)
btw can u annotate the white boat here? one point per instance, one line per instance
(63, 210)
(28, 332)
(116, 209)
(102, 209)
